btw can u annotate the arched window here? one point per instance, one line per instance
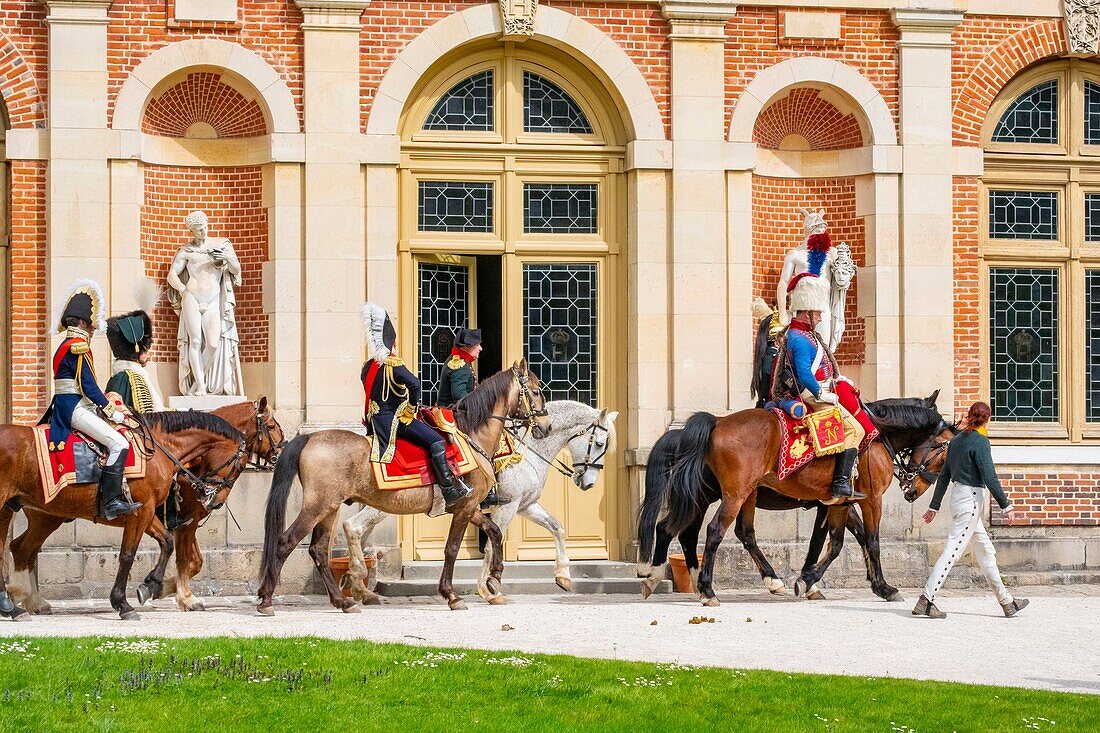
(1040, 246)
(467, 105)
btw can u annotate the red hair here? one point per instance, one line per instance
(977, 416)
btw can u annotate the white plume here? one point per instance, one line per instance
(147, 294)
(374, 318)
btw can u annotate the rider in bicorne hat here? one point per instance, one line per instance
(78, 401)
(807, 371)
(393, 398)
(459, 379)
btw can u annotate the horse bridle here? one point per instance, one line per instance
(204, 482)
(527, 399)
(906, 471)
(579, 468)
(263, 432)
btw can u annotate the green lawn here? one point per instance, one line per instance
(306, 685)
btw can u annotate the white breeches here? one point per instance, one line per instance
(966, 512)
(93, 426)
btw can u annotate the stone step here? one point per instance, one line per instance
(520, 586)
(470, 570)
(1051, 577)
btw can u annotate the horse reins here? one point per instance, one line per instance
(578, 468)
(904, 470)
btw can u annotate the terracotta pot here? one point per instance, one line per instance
(681, 579)
(339, 567)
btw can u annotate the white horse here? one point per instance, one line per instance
(587, 432)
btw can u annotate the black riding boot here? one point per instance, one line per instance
(111, 503)
(493, 499)
(173, 519)
(842, 475)
(445, 478)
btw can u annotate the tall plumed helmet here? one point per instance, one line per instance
(84, 300)
(379, 331)
(130, 334)
(809, 291)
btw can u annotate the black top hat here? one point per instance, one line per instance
(130, 334)
(468, 337)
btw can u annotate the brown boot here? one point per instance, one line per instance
(925, 607)
(1011, 609)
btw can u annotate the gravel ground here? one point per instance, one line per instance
(1052, 645)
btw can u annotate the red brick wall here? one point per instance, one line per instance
(270, 28)
(1052, 498)
(777, 227)
(29, 339)
(804, 113)
(967, 287)
(203, 97)
(639, 28)
(869, 44)
(988, 52)
(232, 198)
(23, 62)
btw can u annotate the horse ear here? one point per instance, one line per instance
(931, 400)
(523, 364)
(603, 414)
(263, 403)
(612, 415)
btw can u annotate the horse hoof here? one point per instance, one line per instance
(195, 605)
(353, 608)
(499, 600)
(800, 587)
(20, 615)
(265, 610)
(129, 616)
(896, 597)
(44, 610)
(564, 583)
(457, 604)
(646, 591)
(775, 586)
(373, 600)
(144, 593)
(711, 602)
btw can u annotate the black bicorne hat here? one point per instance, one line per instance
(389, 333)
(130, 334)
(79, 306)
(468, 337)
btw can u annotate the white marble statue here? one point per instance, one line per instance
(201, 281)
(839, 271)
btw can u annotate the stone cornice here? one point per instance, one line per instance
(698, 20)
(331, 15)
(85, 12)
(931, 28)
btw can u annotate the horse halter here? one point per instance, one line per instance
(263, 433)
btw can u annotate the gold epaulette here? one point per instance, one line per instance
(80, 347)
(455, 362)
(394, 361)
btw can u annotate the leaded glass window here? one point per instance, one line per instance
(1092, 217)
(1023, 215)
(444, 304)
(1092, 345)
(560, 327)
(1092, 113)
(450, 206)
(1023, 344)
(467, 106)
(547, 108)
(1032, 117)
(559, 208)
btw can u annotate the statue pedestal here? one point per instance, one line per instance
(205, 403)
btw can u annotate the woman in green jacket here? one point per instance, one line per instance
(969, 470)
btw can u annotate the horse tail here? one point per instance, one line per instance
(760, 386)
(286, 470)
(687, 478)
(658, 465)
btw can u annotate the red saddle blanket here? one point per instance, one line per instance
(57, 469)
(411, 466)
(795, 445)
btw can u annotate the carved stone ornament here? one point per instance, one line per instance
(518, 18)
(1082, 26)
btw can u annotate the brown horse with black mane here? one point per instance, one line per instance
(334, 468)
(170, 440)
(263, 440)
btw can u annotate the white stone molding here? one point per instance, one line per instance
(811, 71)
(1082, 23)
(224, 11)
(335, 15)
(278, 102)
(698, 20)
(554, 27)
(1046, 455)
(927, 28)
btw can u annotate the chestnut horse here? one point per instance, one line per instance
(334, 468)
(170, 440)
(742, 451)
(263, 441)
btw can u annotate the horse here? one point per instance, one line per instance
(654, 540)
(334, 468)
(170, 441)
(587, 432)
(263, 440)
(742, 450)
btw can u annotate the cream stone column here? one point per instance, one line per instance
(77, 180)
(878, 299)
(334, 212)
(927, 335)
(284, 295)
(699, 246)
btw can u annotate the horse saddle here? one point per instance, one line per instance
(411, 465)
(76, 461)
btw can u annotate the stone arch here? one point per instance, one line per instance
(603, 56)
(810, 71)
(1008, 58)
(275, 95)
(21, 97)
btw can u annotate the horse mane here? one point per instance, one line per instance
(476, 408)
(904, 413)
(178, 421)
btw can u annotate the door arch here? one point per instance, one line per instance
(511, 195)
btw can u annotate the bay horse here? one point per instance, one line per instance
(170, 441)
(742, 449)
(263, 440)
(654, 540)
(334, 469)
(587, 432)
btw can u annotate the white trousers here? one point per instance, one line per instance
(966, 512)
(92, 425)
